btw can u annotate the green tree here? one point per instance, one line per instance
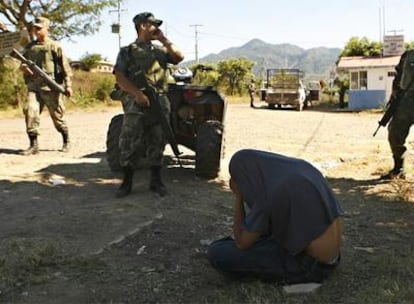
(409, 45)
(90, 61)
(361, 47)
(233, 74)
(205, 74)
(342, 84)
(68, 18)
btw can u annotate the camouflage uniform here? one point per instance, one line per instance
(142, 140)
(49, 57)
(403, 118)
(252, 91)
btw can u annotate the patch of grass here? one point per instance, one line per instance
(404, 190)
(34, 261)
(254, 292)
(393, 282)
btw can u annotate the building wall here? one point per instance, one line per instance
(379, 87)
(366, 99)
(380, 79)
(103, 68)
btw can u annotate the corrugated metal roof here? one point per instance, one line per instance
(367, 62)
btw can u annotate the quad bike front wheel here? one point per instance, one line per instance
(112, 143)
(208, 149)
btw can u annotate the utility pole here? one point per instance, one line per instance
(116, 27)
(196, 40)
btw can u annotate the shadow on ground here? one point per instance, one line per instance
(152, 250)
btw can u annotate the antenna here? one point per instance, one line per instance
(196, 40)
(395, 31)
(383, 23)
(380, 25)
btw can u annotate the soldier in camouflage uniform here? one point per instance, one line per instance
(142, 140)
(252, 92)
(48, 55)
(403, 118)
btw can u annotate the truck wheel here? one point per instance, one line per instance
(208, 149)
(112, 143)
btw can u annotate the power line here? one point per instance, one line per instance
(179, 32)
(224, 36)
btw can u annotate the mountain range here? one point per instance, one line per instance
(315, 62)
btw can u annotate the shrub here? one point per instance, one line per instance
(90, 88)
(12, 87)
(104, 88)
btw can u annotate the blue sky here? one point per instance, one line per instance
(232, 23)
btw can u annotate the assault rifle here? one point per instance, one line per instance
(152, 95)
(390, 109)
(37, 70)
(392, 106)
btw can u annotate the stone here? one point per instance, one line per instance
(301, 288)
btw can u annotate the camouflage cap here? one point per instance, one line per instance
(146, 16)
(41, 22)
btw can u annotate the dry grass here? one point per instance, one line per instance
(404, 190)
(26, 262)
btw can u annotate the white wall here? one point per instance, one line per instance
(378, 79)
(378, 91)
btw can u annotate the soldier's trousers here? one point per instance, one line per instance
(142, 140)
(34, 106)
(399, 128)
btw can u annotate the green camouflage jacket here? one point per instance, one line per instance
(50, 58)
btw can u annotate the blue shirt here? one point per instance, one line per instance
(288, 197)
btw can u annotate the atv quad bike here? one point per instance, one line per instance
(197, 122)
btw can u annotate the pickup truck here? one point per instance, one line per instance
(284, 87)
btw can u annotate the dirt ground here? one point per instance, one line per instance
(65, 238)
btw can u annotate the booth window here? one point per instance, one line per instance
(359, 80)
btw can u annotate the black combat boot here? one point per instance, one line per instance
(34, 146)
(126, 185)
(66, 143)
(156, 184)
(397, 172)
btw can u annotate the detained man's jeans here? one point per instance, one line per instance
(266, 260)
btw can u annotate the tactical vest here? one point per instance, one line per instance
(149, 62)
(46, 57)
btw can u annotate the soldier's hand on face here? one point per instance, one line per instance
(158, 35)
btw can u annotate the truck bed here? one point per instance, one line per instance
(282, 97)
(284, 87)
